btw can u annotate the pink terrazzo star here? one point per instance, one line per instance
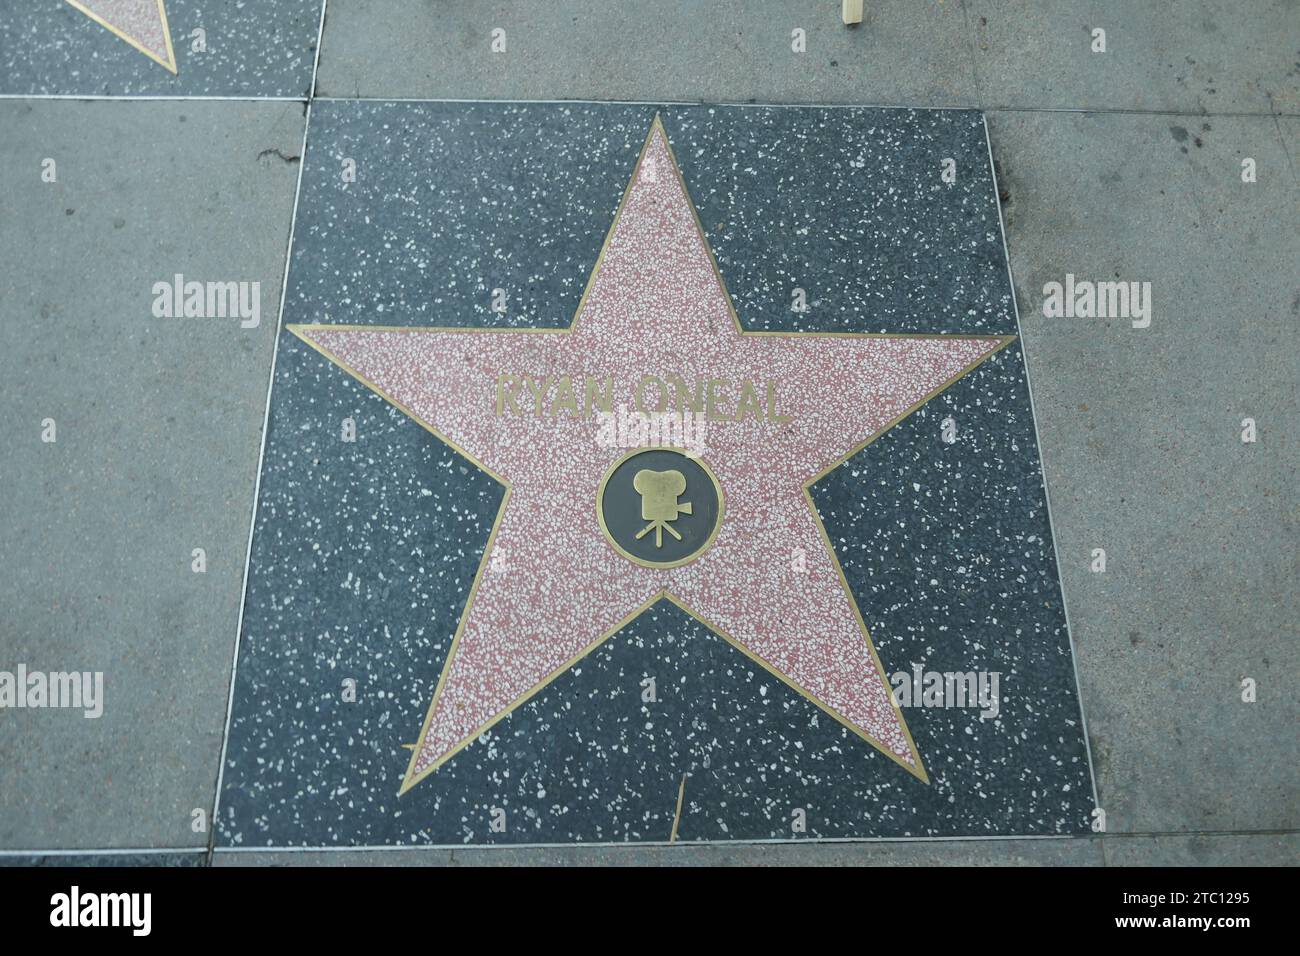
(551, 586)
(141, 23)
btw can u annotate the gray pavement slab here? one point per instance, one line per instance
(905, 53)
(1140, 432)
(1208, 56)
(158, 425)
(1202, 849)
(1043, 852)
(1196, 57)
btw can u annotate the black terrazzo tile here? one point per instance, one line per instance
(124, 859)
(254, 48)
(363, 554)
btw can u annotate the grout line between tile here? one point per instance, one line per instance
(1042, 467)
(266, 420)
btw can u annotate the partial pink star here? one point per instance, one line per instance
(551, 587)
(141, 23)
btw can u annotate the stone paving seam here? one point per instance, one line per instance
(984, 108)
(874, 841)
(266, 415)
(974, 60)
(656, 844)
(1281, 136)
(104, 851)
(1042, 465)
(153, 98)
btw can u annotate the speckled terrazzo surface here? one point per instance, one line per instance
(110, 859)
(364, 552)
(253, 48)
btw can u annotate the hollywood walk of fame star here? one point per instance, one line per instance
(552, 583)
(141, 23)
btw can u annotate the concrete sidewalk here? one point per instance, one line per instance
(1123, 165)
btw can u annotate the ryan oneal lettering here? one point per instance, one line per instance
(571, 396)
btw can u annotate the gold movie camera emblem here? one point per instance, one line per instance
(659, 505)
